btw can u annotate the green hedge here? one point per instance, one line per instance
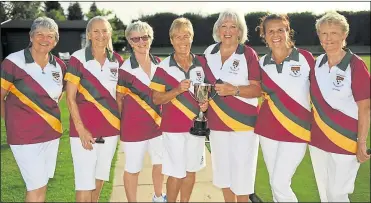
(302, 23)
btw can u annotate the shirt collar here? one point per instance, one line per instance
(195, 62)
(294, 56)
(89, 54)
(134, 63)
(240, 49)
(29, 59)
(343, 63)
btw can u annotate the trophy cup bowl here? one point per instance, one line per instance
(202, 93)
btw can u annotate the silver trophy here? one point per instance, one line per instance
(202, 92)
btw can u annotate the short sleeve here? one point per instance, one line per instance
(7, 74)
(252, 64)
(124, 82)
(157, 81)
(73, 73)
(360, 79)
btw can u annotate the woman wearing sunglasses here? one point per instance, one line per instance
(184, 153)
(91, 92)
(140, 118)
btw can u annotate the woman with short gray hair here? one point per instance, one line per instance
(140, 118)
(91, 99)
(31, 87)
(234, 68)
(340, 97)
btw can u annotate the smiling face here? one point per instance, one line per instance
(276, 34)
(228, 31)
(43, 40)
(99, 34)
(332, 37)
(140, 42)
(182, 41)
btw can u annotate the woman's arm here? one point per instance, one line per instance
(363, 127)
(85, 136)
(247, 91)
(119, 98)
(165, 97)
(2, 102)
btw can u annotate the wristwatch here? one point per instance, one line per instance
(237, 91)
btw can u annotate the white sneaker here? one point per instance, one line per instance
(162, 198)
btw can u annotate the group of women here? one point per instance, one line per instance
(146, 103)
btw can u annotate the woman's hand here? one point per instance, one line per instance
(204, 106)
(361, 154)
(86, 138)
(225, 89)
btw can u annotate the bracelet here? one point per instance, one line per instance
(237, 91)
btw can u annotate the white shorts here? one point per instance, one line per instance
(183, 153)
(36, 162)
(91, 165)
(135, 151)
(234, 158)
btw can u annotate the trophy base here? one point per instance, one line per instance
(200, 132)
(200, 128)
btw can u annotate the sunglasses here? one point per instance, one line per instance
(137, 39)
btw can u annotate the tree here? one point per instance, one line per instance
(3, 16)
(94, 11)
(75, 12)
(118, 34)
(16, 10)
(54, 10)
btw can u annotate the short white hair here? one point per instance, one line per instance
(45, 22)
(139, 26)
(240, 21)
(88, 29)
(335, 18)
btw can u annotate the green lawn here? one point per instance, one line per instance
(61, 187)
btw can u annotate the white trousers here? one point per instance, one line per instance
(282, 159)
(335, 174)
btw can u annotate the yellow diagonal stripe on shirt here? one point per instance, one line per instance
(122, 89)
(72, 78)
(229, 121)
(287, 123)
(157, 87)
(146, 107)
(337, 138)
(112, 119)
(183, 109)
(51, 120)
(5, 84)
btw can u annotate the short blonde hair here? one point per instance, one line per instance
(139, 26)
(88, 29)
(335, 18)
(181, 24)
(240, 21)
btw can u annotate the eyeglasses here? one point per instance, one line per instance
(137, 39)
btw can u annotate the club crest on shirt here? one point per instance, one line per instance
(199, 76)
(339, 80)
(56, 76)
(235, 64)
(295, 71)
(114, 75)
(113, 71)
